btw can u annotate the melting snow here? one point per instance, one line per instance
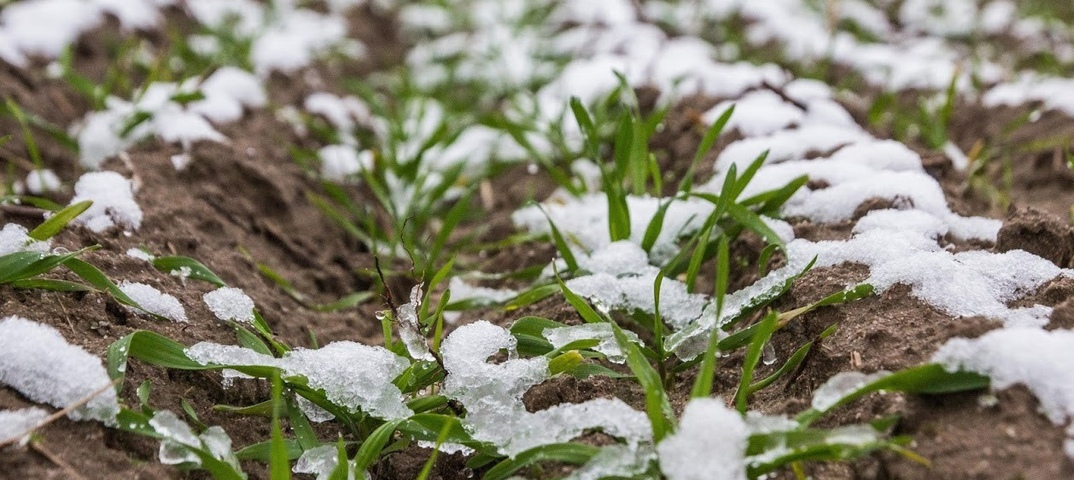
(179, 440)
(609, 346)
(493, 393)
(153, 301)
(841, 385)
(16, 422)
(15, 238)
(36, 361)
(321, 461)
(410, 327)
(352, 375)
(113, 202)
(709, 445)
(230, 304)
(1036, 358)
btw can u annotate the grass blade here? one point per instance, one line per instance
(687, 183)
(197, 270)
(753, 357)
(279, 465)
(657, 406)
(58, 221)
(561, 243)
(703, 384)
(928, 379)
(571, 453)
(374, 443)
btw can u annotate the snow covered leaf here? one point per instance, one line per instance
(569, 453)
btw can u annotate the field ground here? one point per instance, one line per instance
(250, 208)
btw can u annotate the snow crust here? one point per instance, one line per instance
(154, 301)
(38, 362)
(230, 304)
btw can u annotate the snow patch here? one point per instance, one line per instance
(154, 301)
(230, 304)
(36, 361)
(113, 202)
(709, 445)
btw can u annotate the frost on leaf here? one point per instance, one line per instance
(36, 361)
(230, 304)
(710, 444)
(153, 301)
(493, 393)
(113, 202)
(410, 327)
(17, 422)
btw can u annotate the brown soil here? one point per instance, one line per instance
(250, 196)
